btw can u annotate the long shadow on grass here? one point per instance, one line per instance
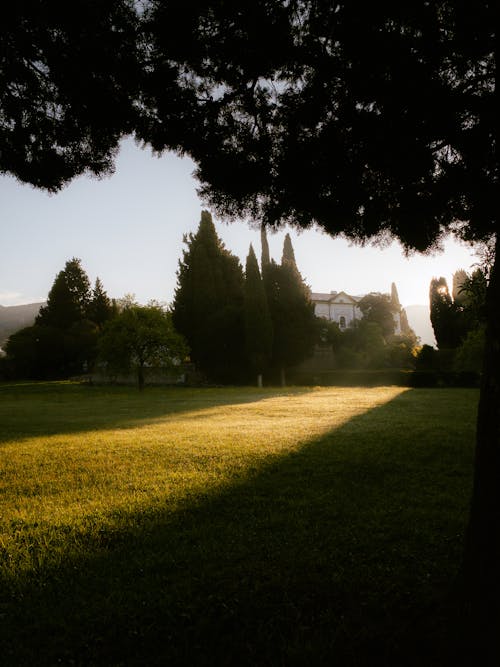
(324, 557)
(57, 408)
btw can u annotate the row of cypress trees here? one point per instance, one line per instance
(241, 323)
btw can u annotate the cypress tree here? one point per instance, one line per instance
(292, 312)
(258, 324)
(265, 256)
(395, 296)
(288, 253)
(208, 303)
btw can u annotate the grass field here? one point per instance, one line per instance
(229, 526)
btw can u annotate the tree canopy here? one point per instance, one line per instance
(367, 119)
(68, 75)
(140, 337)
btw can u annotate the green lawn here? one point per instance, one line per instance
(307, 526)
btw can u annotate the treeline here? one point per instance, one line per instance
(235, 324)
(81, 330)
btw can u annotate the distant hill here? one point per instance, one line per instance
(420, 321)
(13, 318)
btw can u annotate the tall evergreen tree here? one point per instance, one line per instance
(258, 324)
(406, 330)
(64, 339)
(208, 303)
(288, 253)
(265, 255)
(100, 308)
(68, 299)
(292, 312)
(395, 296)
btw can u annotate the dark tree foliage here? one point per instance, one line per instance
(100, 308)
(63, 341)
(365, 118)
(208, 304)
(292, 313)
(258, 324)
(454, 318)
(444, 317)
(68, 75)
(473, 290)
(69, 297)
(37, 353)
(458, 294)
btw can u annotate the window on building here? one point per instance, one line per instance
(342, 322)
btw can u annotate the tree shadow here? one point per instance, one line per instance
(327, 555)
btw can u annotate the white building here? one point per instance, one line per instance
(343, 308)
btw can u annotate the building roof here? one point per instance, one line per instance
(333, 296)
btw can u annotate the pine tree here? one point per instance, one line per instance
(208, 303)
(100, 308)
(68, 299)
(258, 324)
(69, 337)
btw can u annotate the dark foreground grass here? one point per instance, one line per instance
(231, 527)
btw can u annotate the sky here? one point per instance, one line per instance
(127, 229)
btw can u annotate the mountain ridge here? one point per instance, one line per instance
(13, 318)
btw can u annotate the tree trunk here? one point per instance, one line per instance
(140, 377)
(283, 376)
(259, 380)
(480, 585)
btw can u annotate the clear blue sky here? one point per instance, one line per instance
(127, 229)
